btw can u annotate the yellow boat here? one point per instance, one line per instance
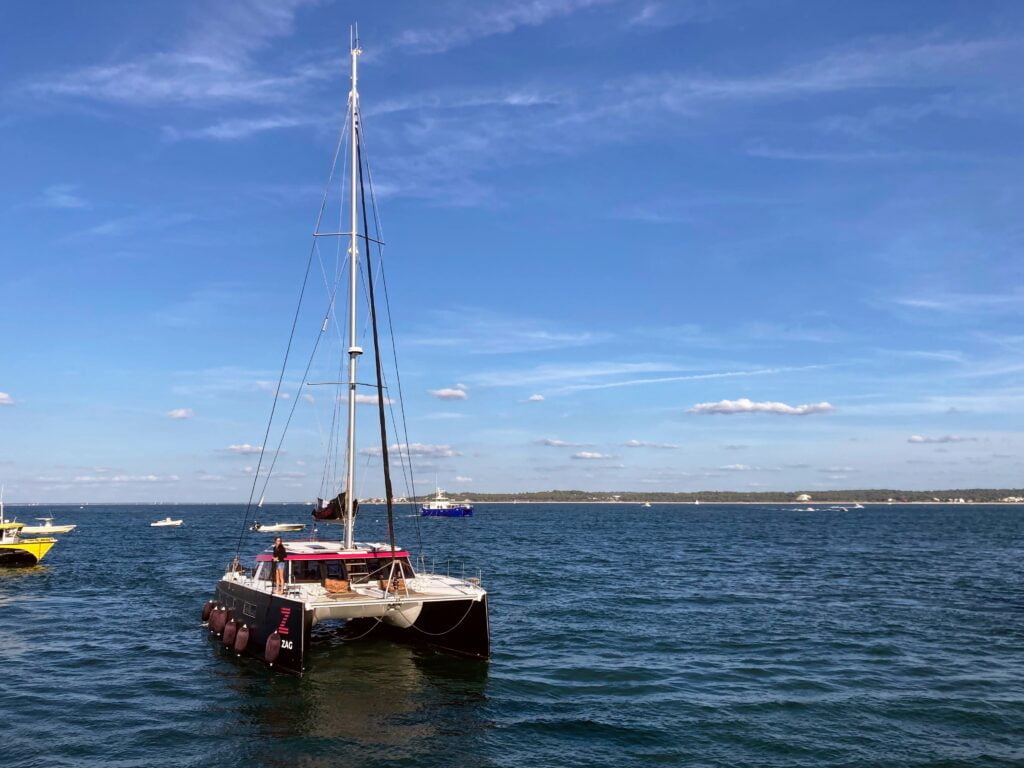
(16, 551)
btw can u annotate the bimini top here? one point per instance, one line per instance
(333, 550)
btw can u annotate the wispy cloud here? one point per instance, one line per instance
(669, 379)
(646, 444)
(555, 443)
(940, 439)
(744, 405)
(535, 399)
(244, 449)
(6, 399)
(484, 135)
(207, 305)
(579, 372)
(482, 21)
(212, 64)
(243, 127)
(62, 196)
(965, 302)
(480, 331)
(180, 413)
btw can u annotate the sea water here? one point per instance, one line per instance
(622, 636)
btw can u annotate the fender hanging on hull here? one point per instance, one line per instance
(265, 615)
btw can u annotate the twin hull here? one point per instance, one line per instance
(455, 626)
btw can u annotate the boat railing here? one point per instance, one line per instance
(453, 569)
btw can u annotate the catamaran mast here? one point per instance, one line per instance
(354, 351)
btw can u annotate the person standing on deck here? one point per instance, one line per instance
(280, 555)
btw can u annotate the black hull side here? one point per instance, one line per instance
(17, 558)
(264, 615)
(461, 627)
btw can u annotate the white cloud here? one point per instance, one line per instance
(309, 398)
(6, 399)
(535, 399)
(370, 400)
(942, 439)
(743, 405)
(122, 479)
(591, 455)
(180, 413)
(461, 479)
(457, 392)
(244, 449)
(555, 443)
(645, 444)
(415, 449)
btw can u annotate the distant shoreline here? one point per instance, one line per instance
(818, 504)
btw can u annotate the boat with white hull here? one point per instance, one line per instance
(371, 587)
(48, 527)
(167, 522)
(278, 527)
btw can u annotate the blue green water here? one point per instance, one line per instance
(622, 636)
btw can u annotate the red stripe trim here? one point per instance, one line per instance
(336, 556)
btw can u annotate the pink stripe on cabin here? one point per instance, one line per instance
(336, 556)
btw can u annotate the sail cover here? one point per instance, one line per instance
(333, 509)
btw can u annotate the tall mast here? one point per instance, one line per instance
(354, 351)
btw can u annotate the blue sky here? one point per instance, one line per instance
(631, 244)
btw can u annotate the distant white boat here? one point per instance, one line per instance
(48, 527)
(647, 504)
(166, 523)
(278, 527)
(858, 506)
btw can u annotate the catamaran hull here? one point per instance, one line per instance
(454, 626)
(461, 627)
(265, 615)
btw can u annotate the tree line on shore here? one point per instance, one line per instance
(975, 495)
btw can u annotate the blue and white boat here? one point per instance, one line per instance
(442, 506)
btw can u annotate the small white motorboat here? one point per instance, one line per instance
(278, 527)
(48, 527)
(166, 523)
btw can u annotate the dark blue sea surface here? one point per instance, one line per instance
(622, 636)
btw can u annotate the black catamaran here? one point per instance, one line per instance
(372, 587)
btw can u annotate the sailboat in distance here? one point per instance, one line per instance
(269, 609)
